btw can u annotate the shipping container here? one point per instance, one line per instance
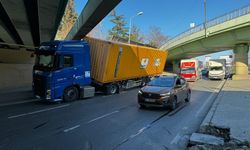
(111, 61)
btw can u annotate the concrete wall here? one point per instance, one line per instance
(15, 69)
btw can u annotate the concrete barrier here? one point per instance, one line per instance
(14, 76)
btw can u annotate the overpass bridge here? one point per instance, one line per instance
(230, 31)
(24, 24)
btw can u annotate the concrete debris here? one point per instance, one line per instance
(198, 138)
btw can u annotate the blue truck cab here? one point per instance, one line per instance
(62, 71)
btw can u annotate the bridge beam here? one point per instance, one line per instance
(241, 62)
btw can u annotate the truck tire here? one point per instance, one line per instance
(111, 89)
(70, 94)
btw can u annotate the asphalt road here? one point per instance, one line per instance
(104, 122)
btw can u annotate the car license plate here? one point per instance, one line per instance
(149, 100)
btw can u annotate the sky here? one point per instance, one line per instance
(172, 16)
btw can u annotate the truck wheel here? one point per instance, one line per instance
(173, 104)
(70, 94)
(111, 89)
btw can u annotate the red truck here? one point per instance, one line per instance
(190, 69)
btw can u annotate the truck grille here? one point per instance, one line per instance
(39, 85)
(151, 95)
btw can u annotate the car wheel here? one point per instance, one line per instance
(173, 104)
(188, 96)
(142, 106)
(70, 94)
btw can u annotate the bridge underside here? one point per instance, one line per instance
(29, 22)
(233, 34)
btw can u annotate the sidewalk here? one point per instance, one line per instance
(15, 96)
(229, 117)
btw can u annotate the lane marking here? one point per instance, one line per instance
(21, 102)
(176, 139)
(72, 128)
(208, 100)
(38, 111)
(139, 132)
(103, 116)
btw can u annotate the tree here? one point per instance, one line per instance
(68, 20)
(119, 30)
(155, 37)
(136, 35)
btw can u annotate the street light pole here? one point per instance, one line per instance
(205, 17)
(130, 24)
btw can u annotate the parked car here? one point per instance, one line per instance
(164, 91)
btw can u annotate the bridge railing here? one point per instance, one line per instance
(221, 19)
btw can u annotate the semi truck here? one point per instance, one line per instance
(190, 69)
(216, 69)
(68, 70)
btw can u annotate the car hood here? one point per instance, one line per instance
(156, 89)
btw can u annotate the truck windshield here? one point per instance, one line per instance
(162, 82)
(187, 70)
(215, 68)
(46, 61)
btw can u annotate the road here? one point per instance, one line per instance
(104, 122)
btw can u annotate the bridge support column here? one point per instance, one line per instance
(176, 66)
(241, 62)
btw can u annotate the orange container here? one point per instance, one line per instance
(111, 61)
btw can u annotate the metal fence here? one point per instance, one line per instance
(221, 19)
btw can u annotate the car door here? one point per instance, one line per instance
(183, 88)
(178, 89)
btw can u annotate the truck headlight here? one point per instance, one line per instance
(48, 94)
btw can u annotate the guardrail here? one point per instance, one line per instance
(218, 20)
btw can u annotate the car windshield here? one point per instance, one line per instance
(162, 82)
(45, 61)
(187, 70)
(216, 68)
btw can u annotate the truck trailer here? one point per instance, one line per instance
(68, 70)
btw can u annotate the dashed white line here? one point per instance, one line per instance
(139, 132)
(103, 116)
(72, 128)
(38, 111)
(176, 139)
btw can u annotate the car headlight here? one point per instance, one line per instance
(139, 92)
(165, 94)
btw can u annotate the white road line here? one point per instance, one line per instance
(38, 111)
(139, 132)
(72, 128)
(176, 139)
(103, 116)
(208, 100)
